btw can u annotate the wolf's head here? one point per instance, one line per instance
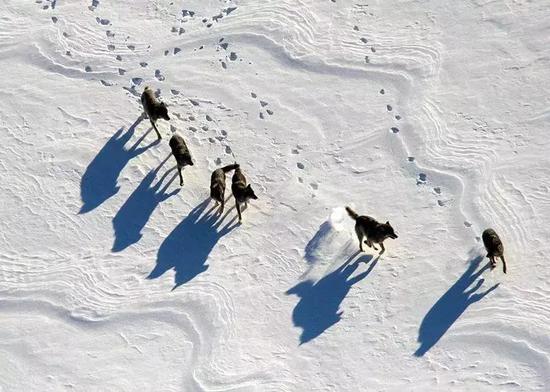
(249, 193)
(163, 111)
(388, 231)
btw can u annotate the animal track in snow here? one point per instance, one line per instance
(131, 47)
(394, 129)
(143, 64)
(111, 47)
(398, 117)
(95, 4)
(233, 56)
(88, 68)
(389, 108)
(159, 76)
(300, 165)
(382, 91)
(102, 21)
(119, 57)
(437, 190)
(121, 71)
(364, 40)
(467, 224)
(410, 159)
(421, 179)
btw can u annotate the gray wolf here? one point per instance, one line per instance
(241, 190)
(374, 231)
(494, 248)
(153, 108)
(181, 153)
(217, 184)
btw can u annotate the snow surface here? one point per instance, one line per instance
(433, 115)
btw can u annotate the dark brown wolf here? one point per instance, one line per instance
(241, 190)
(217, 184)
(494, 248)
(153, 108)
(181, 153)
(371, 231)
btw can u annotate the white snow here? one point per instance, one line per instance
(432, 115)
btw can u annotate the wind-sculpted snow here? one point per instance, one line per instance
(430, 115)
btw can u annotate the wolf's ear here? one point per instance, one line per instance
(388, 223)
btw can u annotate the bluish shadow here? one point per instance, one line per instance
(318, 307)
(99, 181)
(451, 306)
(187, 247)
(136, 211)
(313, 244)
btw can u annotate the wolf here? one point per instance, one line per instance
(153, 108)
(494, 248)
(241, 190)
(217, 184)
(374, 231)
(181, 153)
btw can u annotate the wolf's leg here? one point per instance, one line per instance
(359, 237)
(493, 262)
(156, 129)
(181, 177)
(222, 205)
(371, 244)
(382, 247)
(503, 264)
(238, 210)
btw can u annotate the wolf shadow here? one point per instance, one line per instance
(319, 304)
(187, 247)
(451, 305)
(136, 211)
(99, 181)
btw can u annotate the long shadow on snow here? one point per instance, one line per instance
(318, 308)
(187, 247)
(136, 211)
(99, 181)
(451, 306)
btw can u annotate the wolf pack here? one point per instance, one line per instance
(369, 231)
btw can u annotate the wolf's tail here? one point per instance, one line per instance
(352, 213)
(230, 167)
